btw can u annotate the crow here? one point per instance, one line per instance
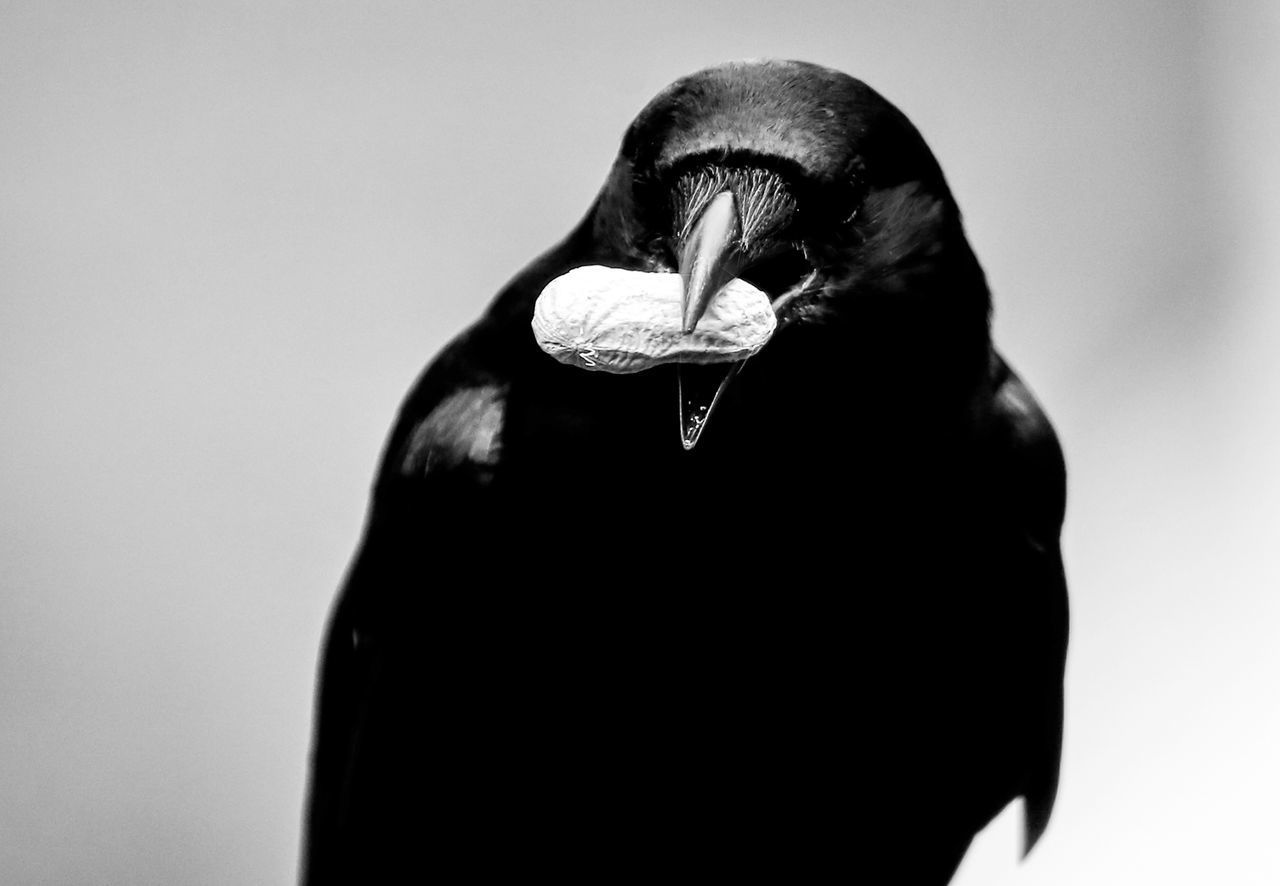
(802, 616)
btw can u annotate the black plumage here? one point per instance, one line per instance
(827, 640)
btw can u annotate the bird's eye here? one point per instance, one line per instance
(658, 256)
(778, 272)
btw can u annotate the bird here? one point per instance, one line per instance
(799, 617)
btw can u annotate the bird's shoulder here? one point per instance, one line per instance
(1028, 454)
(452, 419)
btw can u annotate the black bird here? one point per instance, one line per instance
(826, 641)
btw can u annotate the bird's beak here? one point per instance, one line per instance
(727, 235)
(708, 261)
(700, 389)
(710, 258)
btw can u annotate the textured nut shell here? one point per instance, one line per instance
(612, 320)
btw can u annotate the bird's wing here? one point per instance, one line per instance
(440, 455)
(1035, 481)
(432, 502)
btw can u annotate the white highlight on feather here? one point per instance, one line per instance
(466, 426)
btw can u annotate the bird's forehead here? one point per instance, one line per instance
(801, 113)
(809, 150)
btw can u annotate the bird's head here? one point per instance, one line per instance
(808, 184)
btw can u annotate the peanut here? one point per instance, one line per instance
(614, 320)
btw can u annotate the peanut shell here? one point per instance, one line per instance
(613, 320)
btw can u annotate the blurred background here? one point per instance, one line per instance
(231, 233)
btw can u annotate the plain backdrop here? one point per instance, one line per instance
(231, 233)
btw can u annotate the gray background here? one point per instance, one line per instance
(231, 233)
